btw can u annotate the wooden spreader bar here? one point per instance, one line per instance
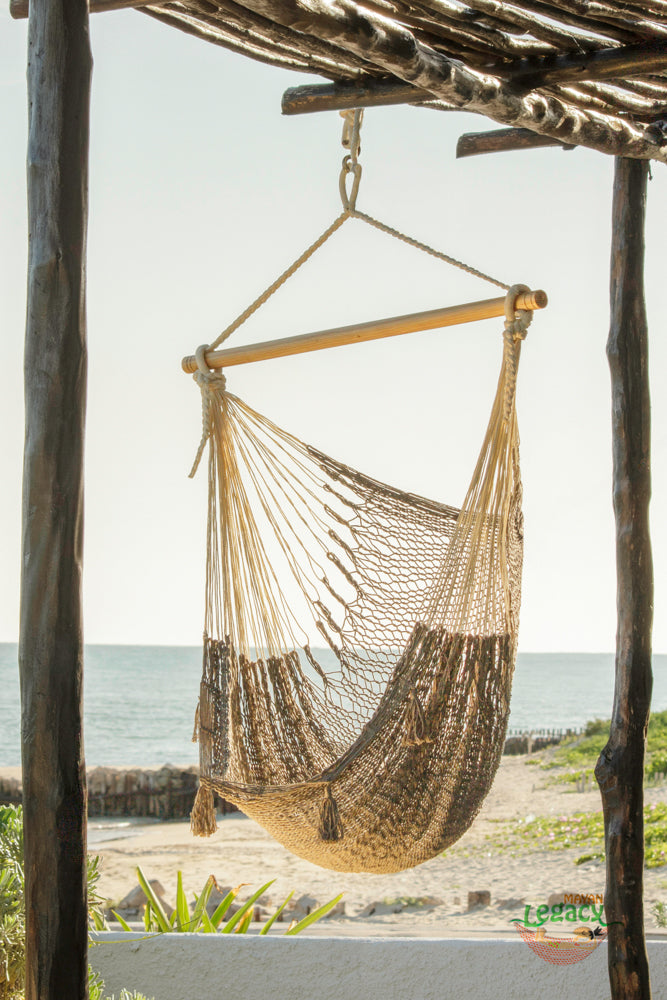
(360, 332)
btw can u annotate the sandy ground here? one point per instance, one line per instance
(241, 851)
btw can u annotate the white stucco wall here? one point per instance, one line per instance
(205, 966)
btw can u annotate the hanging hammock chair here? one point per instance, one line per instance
(376, 754)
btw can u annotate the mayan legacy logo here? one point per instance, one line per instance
(564, 932)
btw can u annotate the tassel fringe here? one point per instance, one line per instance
(331, 827)
(202, 817)
(415, 723)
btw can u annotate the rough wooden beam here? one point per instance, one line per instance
(605, 64)
(51, 644)
(620, 769)
(20, 8)
(338, 97)
(502, 140)
(394, 49)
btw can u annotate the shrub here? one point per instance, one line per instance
(197, 920)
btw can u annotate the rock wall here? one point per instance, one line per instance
(165, 793)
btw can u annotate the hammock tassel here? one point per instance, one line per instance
(202, 817)
(331, 827)
(415, 722)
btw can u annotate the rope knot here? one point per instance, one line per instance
(517, 322)
(212, 385)
(517, 328)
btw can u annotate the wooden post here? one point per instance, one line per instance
(620, 769)
(51, 643)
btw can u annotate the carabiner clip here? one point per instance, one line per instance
(354, 168)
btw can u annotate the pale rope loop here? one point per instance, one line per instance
(212, 384)
(517, 322)
(349, 167)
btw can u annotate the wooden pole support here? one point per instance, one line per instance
(362, 332)
(620, 768)
(51, 631)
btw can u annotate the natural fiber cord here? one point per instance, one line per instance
(382, 761)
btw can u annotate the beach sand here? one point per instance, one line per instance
(241, 852)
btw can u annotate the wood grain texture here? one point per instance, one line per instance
(20, 9)
(51, 643)
(502, 140)
(620, 768)
(604, 64)
(394, 48)
(359, 333)
(338, 97)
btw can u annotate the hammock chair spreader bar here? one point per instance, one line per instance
(358, 333)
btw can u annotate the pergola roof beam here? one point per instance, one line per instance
(502, 140)
(604, 64)
(394, 49)
(341, 96)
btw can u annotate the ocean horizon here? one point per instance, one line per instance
(139, 701)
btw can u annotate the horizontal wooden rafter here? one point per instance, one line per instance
(19, 9)
(341, 96)
(604, 64)
(502, 140)
(395, 50)
(588, 73)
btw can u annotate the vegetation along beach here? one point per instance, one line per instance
(538, 837)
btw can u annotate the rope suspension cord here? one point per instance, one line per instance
(365, 331)
(375, 753)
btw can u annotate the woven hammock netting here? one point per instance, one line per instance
(376, 756)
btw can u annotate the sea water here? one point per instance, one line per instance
(140, 700)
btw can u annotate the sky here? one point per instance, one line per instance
(201, 193)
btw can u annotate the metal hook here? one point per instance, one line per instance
(352, 120)
(351, 139)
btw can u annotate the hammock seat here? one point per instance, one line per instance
(378, 755)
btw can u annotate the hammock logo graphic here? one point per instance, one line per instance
(549, 935)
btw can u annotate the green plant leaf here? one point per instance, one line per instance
(271, 921)
(206, 925)
(155, 904)
(317, 914)
(245, 924)
(123, 923)
(242, 910)
(221, 910)
(182, 908)
(201, 903)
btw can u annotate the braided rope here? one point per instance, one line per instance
(517, 322)
(397, 234)
(285, 276)
(211, 384)
(351, 139)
